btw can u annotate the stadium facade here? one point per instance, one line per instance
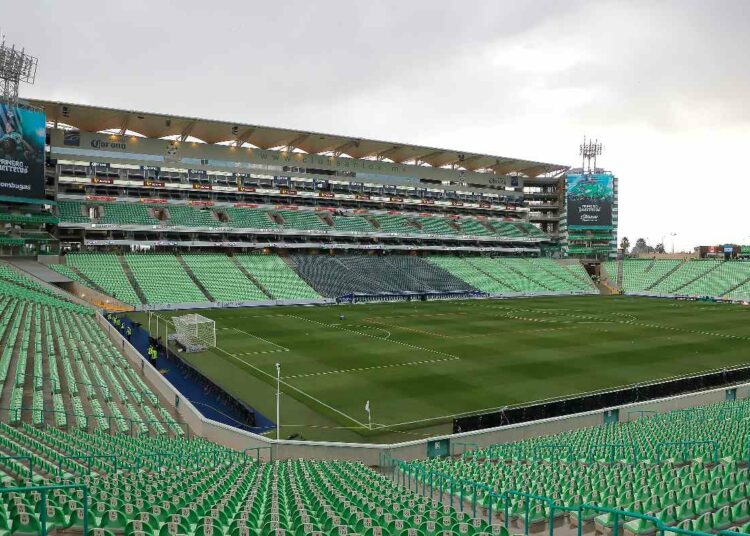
(101, 155)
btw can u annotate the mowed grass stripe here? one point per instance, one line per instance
(509, 351)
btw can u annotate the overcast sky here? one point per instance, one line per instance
(664, 84)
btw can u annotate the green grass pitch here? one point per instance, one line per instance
(421, 364)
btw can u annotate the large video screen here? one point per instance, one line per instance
(590, 199)
(22, 135)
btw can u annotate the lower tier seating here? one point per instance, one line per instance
(163, 279)
(706, 277)
(146, 486)
(58, 367)
(508, 275)
(685, 468)
(106, 271)
(371, 274)
(277, 277)
(222, 278)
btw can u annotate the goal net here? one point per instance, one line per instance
(195, 332)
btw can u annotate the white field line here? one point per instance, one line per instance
(374, 367)
(611, 321)
(412, 346)
(282, 348)
(290, 386)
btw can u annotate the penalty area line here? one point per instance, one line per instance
(290, 386)
(281, 348)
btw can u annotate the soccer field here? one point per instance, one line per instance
(421, 364)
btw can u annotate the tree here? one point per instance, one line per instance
(625, 245)
(659, 248)
(641, 247)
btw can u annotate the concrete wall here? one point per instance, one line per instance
(370, 453)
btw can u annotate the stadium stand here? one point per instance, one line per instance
(277, 277)
(58, 367)
(222, 278)
(106, 271)
(714, 278)
(438, 226)
(194, 487)
(474, 227)
(127, 214)
(186, 216)
(686, 273)
(72, 212)
(249, 218)
(473, 276)
(561, 277)
(163, 279)
(427, 274)
(355, 224)
(302, 219)
(684, 468)
(238, 217)
(68, 272)
(394, 223)
(369, 274)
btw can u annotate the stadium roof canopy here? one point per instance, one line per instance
(97, 119)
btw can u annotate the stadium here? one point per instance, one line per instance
(213, 327)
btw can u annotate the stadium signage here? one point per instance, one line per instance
(98, 143)
(222, 158)
(154, 184)
(328, 195)
(22, 139)
(197, 186)
(362, 197)
(287, 191)
(247, 189)
(97, 180)
(589, 199)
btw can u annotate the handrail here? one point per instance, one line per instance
(685, 448)
(88, 460)
(445, 480)
(43, 511)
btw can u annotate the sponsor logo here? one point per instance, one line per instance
(72, 138)
(96, 143)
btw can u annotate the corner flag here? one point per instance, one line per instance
(369, 415)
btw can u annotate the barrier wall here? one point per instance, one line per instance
(370, 454)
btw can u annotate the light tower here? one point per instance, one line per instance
(589, 150)
(15, 67)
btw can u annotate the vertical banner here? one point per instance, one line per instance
(590, 199)
(22, 137)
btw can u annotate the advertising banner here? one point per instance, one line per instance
(590, 199)
(22, 136)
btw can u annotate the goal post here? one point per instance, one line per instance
(195, 332)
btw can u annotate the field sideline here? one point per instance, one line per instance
(420, 364)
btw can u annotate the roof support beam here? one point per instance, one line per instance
(294, 144)
(187, 130)
(243, 137)
(124, 124)
(422, 158)
(388, 152)
(337, 151)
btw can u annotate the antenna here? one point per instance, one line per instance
(15, 67)
(589, 150)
